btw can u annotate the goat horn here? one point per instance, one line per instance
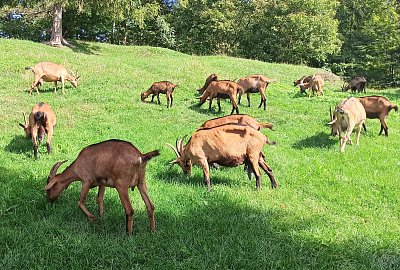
(25, 122)
(330, 112)
(181, 143)
(73, 74)
(173, 148)
(53, 170)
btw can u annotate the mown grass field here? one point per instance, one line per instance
(331, 210)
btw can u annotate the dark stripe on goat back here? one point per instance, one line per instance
(40, 104)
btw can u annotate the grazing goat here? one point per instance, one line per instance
(254, 84)
(211, 78)
(50, 72)
(218, 88)
(347, 115)
(378, 107)
(236, 119)
(157, 88)
(228, 145)
(113, 163)
(304, 79)
(316, 84)
(356, 84)
(42, 120)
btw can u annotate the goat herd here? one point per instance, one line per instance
(229, 141)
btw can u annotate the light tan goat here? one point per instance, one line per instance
(218, 89)
(254, 84)
(316, 84)
(236, 119)
(228, 145)
(113, 163)
(42, 120)
(50, 72)
(304, 79)
(348, 114)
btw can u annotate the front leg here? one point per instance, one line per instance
(206, 174)
(158, 98)
(86, 184)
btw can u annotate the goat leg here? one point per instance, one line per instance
(149, 205)
(158, 98)
(248, 99)
(206, 174)
(86, 184)
(219, 104)
(126, 203)
(100, 200)
(268, 171)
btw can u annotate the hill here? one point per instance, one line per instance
(331, 210)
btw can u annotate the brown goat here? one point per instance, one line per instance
(254, 84)
(50, 72)
(378, 107)
(218, 88)
(42, 120)
(113, 163)
(316, 84)
(157, 88)
(211, 78)
(304, 79)
(228, 145)
(348, 114)
(236, 119)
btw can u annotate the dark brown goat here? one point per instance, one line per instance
(218, 88)
(42, 120)
(51, 72)
(378, 107)
(228, 145)
(236, 119)
(356, 84)
(157, 88)
(113, 163)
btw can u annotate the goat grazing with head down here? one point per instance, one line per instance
(42, 120)
(378, 107)
(220, 89)
(210, 78)
(356, 84)
(50, 72)
(157, 88)
(243, 119)
(113, 163)
(315, 84)
(228, 145)
(254, 84)
(348, 114)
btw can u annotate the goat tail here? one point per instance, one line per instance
(266, 125)
(395, 107)
(28, 68)
(150, 155)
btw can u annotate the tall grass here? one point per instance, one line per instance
(331, 210)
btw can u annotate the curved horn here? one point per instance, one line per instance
(25, 122)
(73, 74)
(181, 144)
(330, 112)
(53, 170)
(173, 148)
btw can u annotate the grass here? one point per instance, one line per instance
(331, 210)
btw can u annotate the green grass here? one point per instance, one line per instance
(331, 210)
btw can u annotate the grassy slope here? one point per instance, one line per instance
(331, 210)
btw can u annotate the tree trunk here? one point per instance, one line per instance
(56, 30)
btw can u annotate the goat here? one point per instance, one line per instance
(42, 120)
(157, 88)
(228, 145)
(236, 119)
(315, 84)
(254, 84)
(113, 163)
(211, 78)
(50, 72)
(356, 84)
(347, 115)
(378, 107)
(304, 79)
(218, 88)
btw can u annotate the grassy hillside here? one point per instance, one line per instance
(331, 210)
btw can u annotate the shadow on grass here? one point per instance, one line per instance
(19, 144)
(319, 140)
(83, 47)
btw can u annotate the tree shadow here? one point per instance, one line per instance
(319, 140)
(83, 47)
